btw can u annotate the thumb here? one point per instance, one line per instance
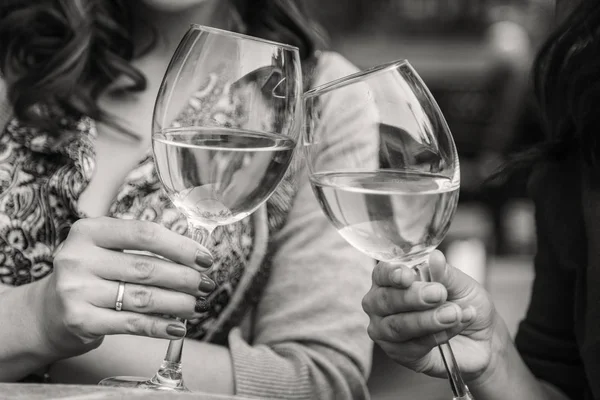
(457, 283)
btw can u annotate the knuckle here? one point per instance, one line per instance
(146, 232)
(383, 299)
(143, 269)
(152, 329)
(74, 320)
(62, 259)
(379, 272)
(185, 245)
(375, 272)
(142, 298)
(373, 331)
(77, 227)
(66, 260)
(66, 288)
(80, 227)
(366, 303)
(134, 325)
(397, 326)
(139, 325)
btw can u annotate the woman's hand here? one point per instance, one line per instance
(409, 318)
(79, 297)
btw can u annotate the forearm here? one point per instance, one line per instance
(510, 378)
(23, 349)
(207, 367)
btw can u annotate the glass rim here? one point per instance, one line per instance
(237, 35)
(355, 77)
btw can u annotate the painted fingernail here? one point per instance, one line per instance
(176, 330)
(206, 285)
(446, 315)
(202, 305)
(203, 259)
(432, 294)
(468, 314)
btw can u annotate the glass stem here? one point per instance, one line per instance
(169, 373)
(458, 386)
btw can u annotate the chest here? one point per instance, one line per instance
(118, 150)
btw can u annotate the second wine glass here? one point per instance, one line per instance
(401, 210)
(226, 123)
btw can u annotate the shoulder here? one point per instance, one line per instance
(347, 119)
(332, 66)
(353, 101)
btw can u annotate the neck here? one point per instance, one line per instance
(170, 27)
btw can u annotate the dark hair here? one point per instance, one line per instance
(60, 55)
(566, 78)
(284, 21)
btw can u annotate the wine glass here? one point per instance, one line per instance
(401, 209)
(226, 122)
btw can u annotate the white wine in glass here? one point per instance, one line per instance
(227, 173)
(218, 167)
(388, 214)
(402, 210)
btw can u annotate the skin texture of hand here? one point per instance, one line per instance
(78, 298)
(409, 317)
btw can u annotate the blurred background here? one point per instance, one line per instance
(476, 57)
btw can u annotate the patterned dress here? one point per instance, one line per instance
(42, 178)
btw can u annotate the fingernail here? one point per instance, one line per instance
(202, 305)
(446, 315)
(468, 314)
(206, 285)
(397, 276)
(203, 259)
(176, 330)
(432, 294)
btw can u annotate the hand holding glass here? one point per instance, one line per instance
(225, 126)
(401, 210)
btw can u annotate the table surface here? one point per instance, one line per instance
(30, 391)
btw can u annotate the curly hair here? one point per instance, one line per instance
(60, 55)
(566, 78)
(567, 84)
(284, 21)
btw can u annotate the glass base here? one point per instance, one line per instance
(134, 382)
(467, 396)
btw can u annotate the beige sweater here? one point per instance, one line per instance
(308, 332)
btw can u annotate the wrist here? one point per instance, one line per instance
(507, 376)
(501, 350)
(56, 341)
(26, 349)
(37, 302)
